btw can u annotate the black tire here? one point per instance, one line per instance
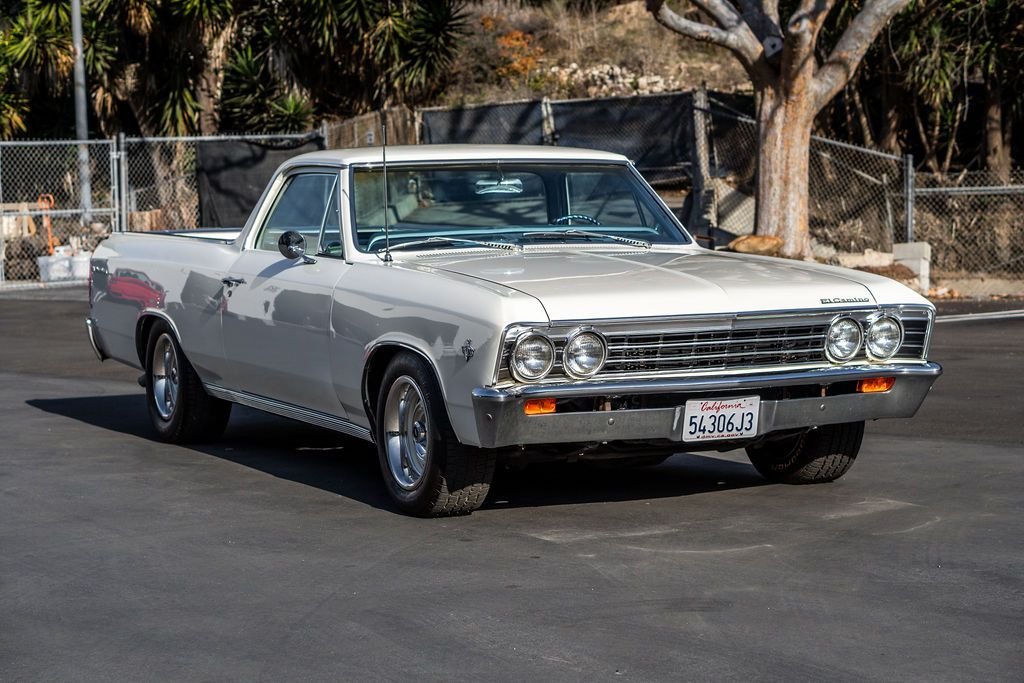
(450, 478)
(816, 456)
(193, 415)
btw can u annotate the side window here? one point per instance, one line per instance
(302, 206)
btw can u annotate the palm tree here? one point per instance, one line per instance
(188, 66)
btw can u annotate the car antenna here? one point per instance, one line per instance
(384, 159)
(387, 199)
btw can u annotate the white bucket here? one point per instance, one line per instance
(80, 265)
(54, 268)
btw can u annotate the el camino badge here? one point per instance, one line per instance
(847, 300)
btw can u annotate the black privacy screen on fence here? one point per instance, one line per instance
(233, 173)
(512, 123)
(653, 131)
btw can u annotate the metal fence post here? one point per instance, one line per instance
(115, 193)
(3, 250)
(549, 134)
(908, 196)
(122, 180)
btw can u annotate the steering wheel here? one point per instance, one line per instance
(577, 217)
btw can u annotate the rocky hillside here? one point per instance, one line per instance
(514, 51)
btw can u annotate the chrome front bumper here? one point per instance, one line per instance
(501, 421)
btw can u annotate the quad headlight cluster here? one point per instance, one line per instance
(533, 355)
(881, 338)
(582, 353)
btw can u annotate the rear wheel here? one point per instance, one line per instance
(180, 409)
(427, 471)
(813, 457)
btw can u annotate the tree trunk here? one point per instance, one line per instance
(784, 129)
(211, 81)
(892, 104)
(997, 154)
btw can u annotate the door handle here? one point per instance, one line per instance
(232, 281)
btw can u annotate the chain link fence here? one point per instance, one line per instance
(861, 199)
(182, 183)
(702, 157)
(57, 200)
(366, 130)
(974, 223)
(161, 184)
(857, 197)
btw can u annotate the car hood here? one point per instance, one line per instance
(576, 284)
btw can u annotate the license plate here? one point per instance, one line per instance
(714, 419)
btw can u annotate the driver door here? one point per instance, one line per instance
(277, 317)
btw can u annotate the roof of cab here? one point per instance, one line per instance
(406, 153)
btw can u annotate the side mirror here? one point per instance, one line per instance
(292, 245)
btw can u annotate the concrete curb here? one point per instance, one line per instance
(991, 315)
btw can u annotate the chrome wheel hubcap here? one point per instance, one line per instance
(165, 376)
(406, 434)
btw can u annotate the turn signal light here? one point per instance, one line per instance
(539, 406)
(875, 385)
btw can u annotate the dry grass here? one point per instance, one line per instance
(561, 37)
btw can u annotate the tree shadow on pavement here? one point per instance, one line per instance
(310, 455)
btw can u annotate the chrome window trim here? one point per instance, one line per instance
(686, 241)
(276, 187)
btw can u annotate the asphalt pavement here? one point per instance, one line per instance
(274, 554)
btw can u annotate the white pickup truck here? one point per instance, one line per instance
(490, 302)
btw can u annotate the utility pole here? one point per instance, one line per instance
(81, 120)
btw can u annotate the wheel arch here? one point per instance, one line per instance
(144, 324)
(378, 358)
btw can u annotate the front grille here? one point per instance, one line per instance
(738, 344)
(915, 335)
(716, 350)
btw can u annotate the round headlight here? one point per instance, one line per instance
(844, 337)
(883, 338)
(532, 357)
(584, 355)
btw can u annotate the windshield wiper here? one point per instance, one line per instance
(574, 232)
(453, 240)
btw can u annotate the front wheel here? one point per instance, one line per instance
(813, 457)
(427, 471)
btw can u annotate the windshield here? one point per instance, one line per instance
(507, 203)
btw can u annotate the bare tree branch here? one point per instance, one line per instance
(724, 13)
(801, 35)
(852, 46)
(691, 29)
(732, 33)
